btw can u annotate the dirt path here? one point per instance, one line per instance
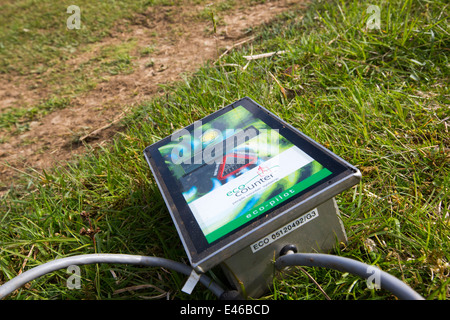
(182, 47)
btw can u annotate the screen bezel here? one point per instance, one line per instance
(194, 241)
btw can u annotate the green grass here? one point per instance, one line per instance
(377, 98)
(37, 47)
(35, 34)
(20, 117)
(40, 49)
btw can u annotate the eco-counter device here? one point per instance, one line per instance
(242, 187)
(245, 191)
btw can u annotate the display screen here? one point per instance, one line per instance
(235, 168)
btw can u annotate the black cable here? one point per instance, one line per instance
(386, 281)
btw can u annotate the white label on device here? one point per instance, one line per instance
(191, 282)
(284, 230)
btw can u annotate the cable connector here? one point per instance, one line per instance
(288, 249)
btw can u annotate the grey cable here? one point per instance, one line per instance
(84, 259)
(387, 281)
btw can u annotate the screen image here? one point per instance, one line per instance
(236, 168)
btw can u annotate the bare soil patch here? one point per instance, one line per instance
(183, 44)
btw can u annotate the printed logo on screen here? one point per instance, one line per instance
(264, 176)
(234, 163)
